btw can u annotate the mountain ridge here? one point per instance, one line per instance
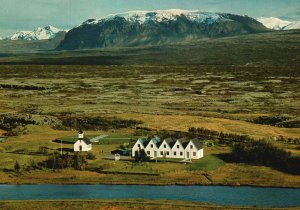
(143, 28)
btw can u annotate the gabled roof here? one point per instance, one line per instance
(144, 141)
(169, 141)
(85, 140)
(184, 142)
(155, 141)
(197, 143)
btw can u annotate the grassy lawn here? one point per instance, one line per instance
(73, 139)
(207, 163)
(116, 139)
(120, 204)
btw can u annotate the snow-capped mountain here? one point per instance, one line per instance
(278, 24)
(293, 25)
(144, 17)
(273, 23)
(140, 28)
(47, 32)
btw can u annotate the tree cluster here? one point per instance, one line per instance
(97, 123)
(279, 121)
(265, 153)
(141, 156)
(57, 161)
(204, 134)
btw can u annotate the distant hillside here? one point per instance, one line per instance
(41, 33)
(292, 26)
(140, 28)
(278, 24)
(276, 48)
(273, 23)
(33, 45)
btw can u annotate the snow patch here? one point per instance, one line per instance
(273, 23)
(278, 24)
(47, 32)
(293, 25)
(144, 17)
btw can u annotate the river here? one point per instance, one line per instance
(221, 195)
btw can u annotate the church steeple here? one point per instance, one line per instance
(80, 135)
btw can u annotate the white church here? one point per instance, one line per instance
(169, 148)
(83, 144)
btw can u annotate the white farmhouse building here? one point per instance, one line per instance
(165, 148)
(140, 144)
(83, 144)
(152, 147)
(169, 148)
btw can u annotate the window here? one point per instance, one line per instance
(174, 153)
(181, 153)
(151, 145)
(194, 153)
(139, 145)
(148, 152)
(191, 146)
(161, 153)
(177, 146)
(165, 146)
(168, 153)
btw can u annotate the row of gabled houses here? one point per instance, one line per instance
(169, 148)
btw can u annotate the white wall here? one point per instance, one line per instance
(137, 146)
(200, 153)
(151, 149)
(191, 151)
(178, 149)
(164, 150)
(84, 146)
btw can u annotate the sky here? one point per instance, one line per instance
(17, 15)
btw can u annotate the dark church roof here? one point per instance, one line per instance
(86, 140)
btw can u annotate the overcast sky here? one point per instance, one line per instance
(18, 15)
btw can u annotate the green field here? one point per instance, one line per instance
(207, 163)
(105, 140)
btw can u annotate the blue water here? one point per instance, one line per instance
(224, 195)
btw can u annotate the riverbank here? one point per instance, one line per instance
(116, 205)
(227, 175)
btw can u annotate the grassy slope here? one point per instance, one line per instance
(207, 163)
(184, 122)
(239, 50)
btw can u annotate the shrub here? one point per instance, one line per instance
(265, 153)
(17, 167)
(43, 150)
(90, 156)
(141, 156)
